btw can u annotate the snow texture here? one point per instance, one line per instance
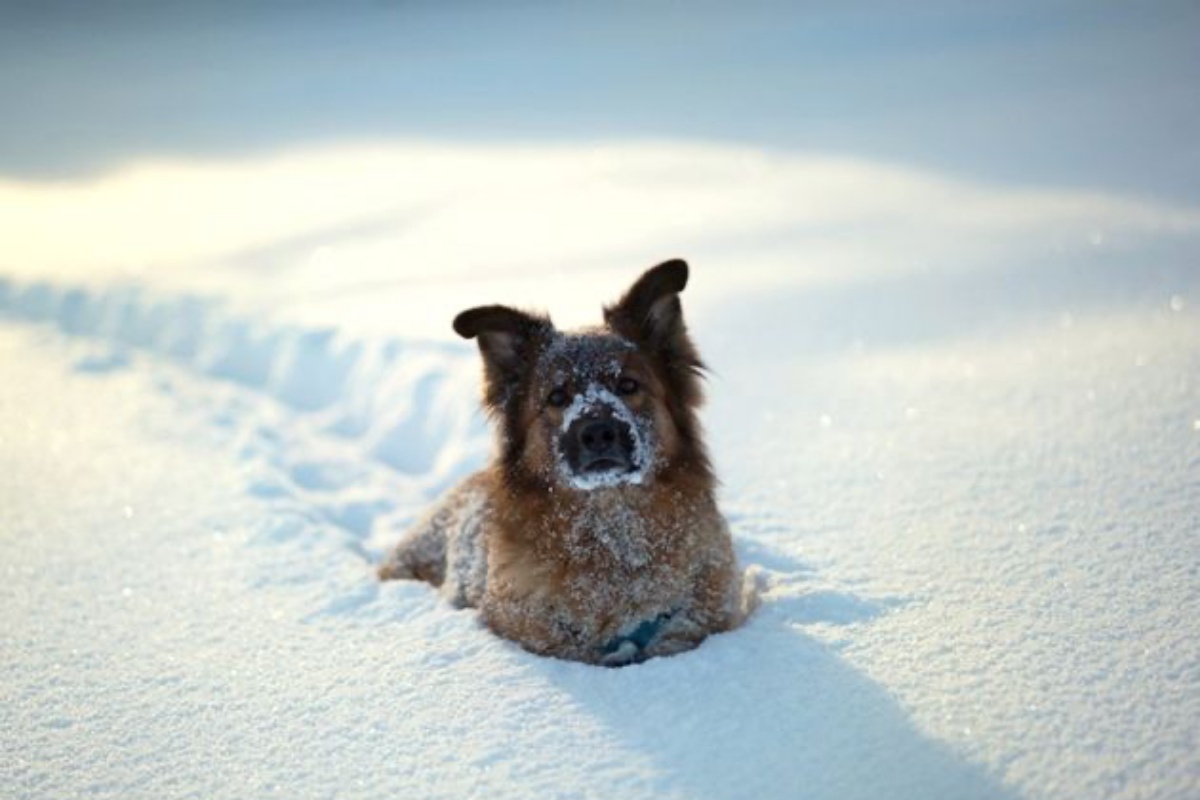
(968, 483)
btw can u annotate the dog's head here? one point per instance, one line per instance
(601, 407)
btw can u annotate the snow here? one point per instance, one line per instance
(956, 418)
(972, 497)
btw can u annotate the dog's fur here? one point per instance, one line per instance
(599, 551)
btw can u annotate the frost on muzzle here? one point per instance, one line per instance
(601, 443)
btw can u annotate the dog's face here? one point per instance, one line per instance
(594, 416)
(600, 408)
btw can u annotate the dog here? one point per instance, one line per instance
(594, 534)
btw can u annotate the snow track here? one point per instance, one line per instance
(331, 416)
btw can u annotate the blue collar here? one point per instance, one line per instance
(640, 637)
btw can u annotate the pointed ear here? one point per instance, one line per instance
(650, 316)
(507, 340)
(650, 313)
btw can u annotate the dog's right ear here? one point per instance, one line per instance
(507, 339)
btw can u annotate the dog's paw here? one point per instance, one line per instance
(394, 570)
(625, 653)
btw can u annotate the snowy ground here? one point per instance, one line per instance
(974, 481)
(945, 269)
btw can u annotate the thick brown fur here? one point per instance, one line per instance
(608, 574)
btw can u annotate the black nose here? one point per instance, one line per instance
(598, 436)
(599, 444)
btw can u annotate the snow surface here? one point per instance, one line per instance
(958, 427)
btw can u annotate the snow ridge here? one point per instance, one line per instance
(354, 435)
(408, 404)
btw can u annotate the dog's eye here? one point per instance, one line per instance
(627, 386)
(557, 398)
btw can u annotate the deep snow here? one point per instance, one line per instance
(958, 428)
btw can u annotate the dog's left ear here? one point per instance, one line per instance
(650, 313)
(651, 316)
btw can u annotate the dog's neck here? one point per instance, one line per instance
(619, 526)
(614, 521)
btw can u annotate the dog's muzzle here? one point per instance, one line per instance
(598, 443)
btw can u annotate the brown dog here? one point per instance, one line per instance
(594, 535)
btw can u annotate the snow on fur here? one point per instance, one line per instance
(595, 398)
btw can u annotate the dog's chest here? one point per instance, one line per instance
(585, 574)
(619, 562)
(614, 534)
